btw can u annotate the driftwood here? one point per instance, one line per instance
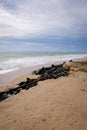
(55, 71)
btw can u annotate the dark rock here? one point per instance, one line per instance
(55, 71)
(71, 61)
(36, 72)
(3, 96)
(54, 76)
(41, 71)
(16, 92)
(28, 80)
(23, 87)
(64, 63)
(21, 83)
(52, 66)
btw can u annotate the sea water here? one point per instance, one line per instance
(10, 61)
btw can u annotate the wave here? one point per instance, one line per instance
(14, 63)
(7, 71)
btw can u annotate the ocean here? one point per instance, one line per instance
(10, 61)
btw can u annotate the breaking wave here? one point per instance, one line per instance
(13, 63)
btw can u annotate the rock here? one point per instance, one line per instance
(64, 63)
(3, 96)
(28, 80)
(53, 68)
(16, 92)
(54, 76)
(36, 72)
(55, 71)
(41, 71)
(71, 61)
(21, 83)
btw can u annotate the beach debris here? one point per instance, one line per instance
(52, 72)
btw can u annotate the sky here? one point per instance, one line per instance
(43, 25)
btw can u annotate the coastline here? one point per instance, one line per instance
(20, 72)
(54, 104)
(7, 78)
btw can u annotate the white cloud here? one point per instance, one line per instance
(49, 17)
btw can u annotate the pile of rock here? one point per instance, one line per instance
(22, 85)
(28, 83)
(55, 71)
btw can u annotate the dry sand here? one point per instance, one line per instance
(56, 104)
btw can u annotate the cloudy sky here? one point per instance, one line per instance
(43, 25)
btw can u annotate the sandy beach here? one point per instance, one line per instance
(43, 65)
(54, 104)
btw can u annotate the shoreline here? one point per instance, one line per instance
(20, 72)
(7, 78)
(52, 104)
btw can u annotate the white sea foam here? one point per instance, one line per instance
(14, 63)
(7, 71)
